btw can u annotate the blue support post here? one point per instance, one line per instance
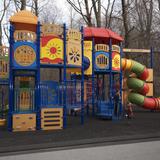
(103, 88)
(2, 103)
(93, 85)
(110, 73)
(151, 57)
(38, 78)
(11, 93)
(59, 91)
(64, 79)
(97, 92)
(121, 79)
(82, 77)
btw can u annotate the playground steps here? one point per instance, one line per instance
(24, 122)
(51, 118)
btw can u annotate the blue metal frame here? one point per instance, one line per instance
(11, 41)
(151, 57)
(13, 66)
(64, 78)
(110, 73)
(93, 83)
(38, 78)
(106, 109)
(82, 78)
(36, 68)
(121, 80)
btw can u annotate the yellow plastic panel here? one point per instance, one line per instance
(24, 16)
(150, 77)
(73, 34)
(102, 47)
(51, 118)
(88, 54)
(115, 61)
(51, 50)
(115, 48)
(74, 53)
(51, 29)
(24, 122)
(150, 93)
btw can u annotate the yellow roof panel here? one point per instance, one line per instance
(24, 16)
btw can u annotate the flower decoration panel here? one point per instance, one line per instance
(74, 53)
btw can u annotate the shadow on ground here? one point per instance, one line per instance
(145, 123)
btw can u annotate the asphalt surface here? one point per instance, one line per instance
(134, 151)
(145, 125)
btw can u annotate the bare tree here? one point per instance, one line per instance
(82, 8)
(125, 22)
(35, 7)
(158, 4)
(20, 4)
(86, 9)
(144, 9)
(2, 14)
(108, 13)
(97, 11)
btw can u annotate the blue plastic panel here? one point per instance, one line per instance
(101, 61)
(49, 94)
(24, 56)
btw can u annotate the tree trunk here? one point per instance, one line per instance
(0, 33)
(125, 23)
(23, 5)
(36, 7)
(97, 11)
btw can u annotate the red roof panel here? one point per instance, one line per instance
(101, 34)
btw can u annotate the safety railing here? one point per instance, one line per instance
(24, 99)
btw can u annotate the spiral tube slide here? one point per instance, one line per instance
(139, 86)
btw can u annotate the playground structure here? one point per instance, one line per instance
(91, 57)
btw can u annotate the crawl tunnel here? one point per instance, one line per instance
(139, 86)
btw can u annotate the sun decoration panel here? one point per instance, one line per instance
(115, 61)
(24, 54)
(51, 50)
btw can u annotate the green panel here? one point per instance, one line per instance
(136, 98)
(135, 84)
(137, 68)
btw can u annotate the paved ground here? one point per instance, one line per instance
(145, 125)
(134, 151)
